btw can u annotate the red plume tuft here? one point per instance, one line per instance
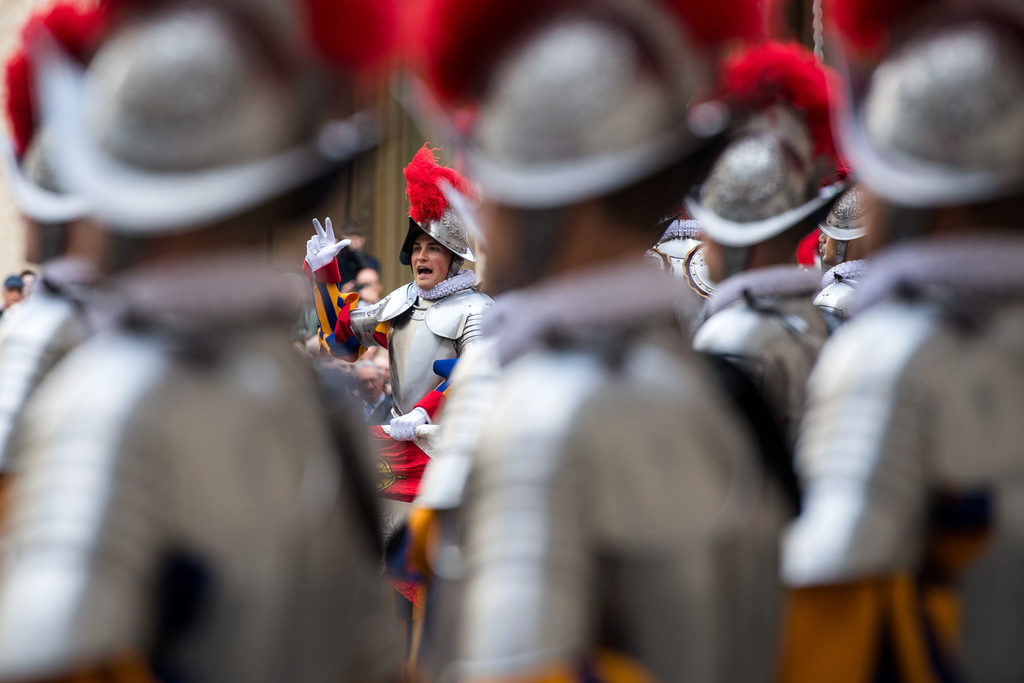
(865, 24)
(717, 21)
(783, 73)
(353, 33)
(77, 29)
(423, 178)
(461, 39)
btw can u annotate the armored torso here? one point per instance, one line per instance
(181, 465)
(36, 335)
(914, 413)
(422, 332)
(838, 291)
(575, 432)
(763, 321)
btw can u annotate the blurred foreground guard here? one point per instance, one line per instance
(183, 509)
(760, 199)
(912, 442)
(617, 523)
(36, 335)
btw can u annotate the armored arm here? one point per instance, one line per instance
(85, 537)
(345, 329)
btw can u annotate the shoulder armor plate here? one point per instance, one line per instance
(396, 303)
(448, 315)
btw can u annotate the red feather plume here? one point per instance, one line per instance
(423, 178)
(353, 33)
(715, 21)
(461, 39)
(77, 29)
(783, 73)
(865, 24)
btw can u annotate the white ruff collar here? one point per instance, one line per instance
(463, 280)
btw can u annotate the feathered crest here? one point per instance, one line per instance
(461, 39)
(783, 73)
(352, 33)
(865, 24)
(77, 28)
(423, 178)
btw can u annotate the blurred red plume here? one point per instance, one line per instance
(461, 39)
(77, 28)
(783, 73)
(716, 21)
(353, 33)
(865, 24)
(423, 176)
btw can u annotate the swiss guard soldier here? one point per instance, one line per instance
(43, 328)
(841, 253)
(601, 532)
(912, 527)
(183, 507)
(436, 317)
(754, 207)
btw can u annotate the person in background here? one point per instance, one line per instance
(376, 405)
(13, 293)
(354, 259)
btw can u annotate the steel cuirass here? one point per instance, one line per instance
(422, 332)
(914, 404)
(763, 320)
(184, 466)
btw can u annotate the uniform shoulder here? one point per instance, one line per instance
(446, 317)
(396, 303)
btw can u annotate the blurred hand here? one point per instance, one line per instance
(321, 248)
(403, 427)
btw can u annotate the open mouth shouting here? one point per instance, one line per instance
(430, 261)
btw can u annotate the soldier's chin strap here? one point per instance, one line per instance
(841, 246)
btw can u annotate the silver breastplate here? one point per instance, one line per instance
(412, 350)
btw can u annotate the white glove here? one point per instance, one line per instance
(321, 248)
(403, 427)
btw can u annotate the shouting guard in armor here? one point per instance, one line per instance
(184, 509)
(609, 509)
(425, 325)
(45, 327)
(760, 199)
(913, 522)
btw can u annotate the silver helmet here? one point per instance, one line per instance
(431, 187)
(590, 100)
(193, 113)
(772, 175)
(940, 120)
(848, 218)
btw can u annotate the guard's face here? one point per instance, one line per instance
(430, 261)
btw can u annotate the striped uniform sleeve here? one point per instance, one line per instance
(334, 311)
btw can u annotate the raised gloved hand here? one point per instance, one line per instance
(403, 427)
(321, 248)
